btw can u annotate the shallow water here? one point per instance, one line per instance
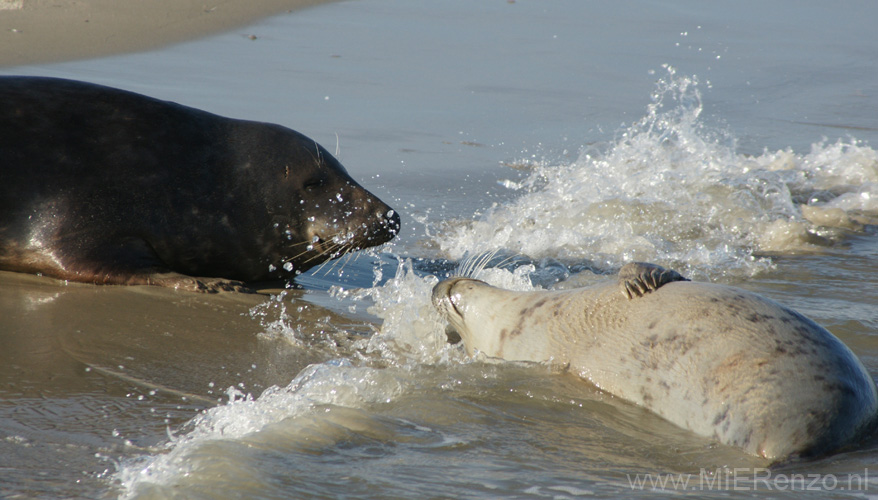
(732, 142)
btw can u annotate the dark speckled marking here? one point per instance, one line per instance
(759, 318)
(519, 327)
(647, 397)
(526, 313)
(721, 416)
(840, 388)
(747, 439)
(814, 424)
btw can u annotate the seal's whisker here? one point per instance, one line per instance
(507, 260)
(339, 251)
(350, 253)
(332, 259)
(316, 247)
(321, 266)
(347, 254)
(323, 253)
(300, 244)
(482, 263)
(294, 257)
(324, 263)
(331, 248)
(333, 251)
(472, 266)
(465, 266)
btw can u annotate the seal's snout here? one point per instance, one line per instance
(447, 296)
(442, 301)
(359, 222)
(390, 221)
(385, 227)
(393, 222)
(440, 293)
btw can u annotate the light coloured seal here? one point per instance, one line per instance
(722, 362)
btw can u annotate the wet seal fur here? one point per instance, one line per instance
(722, 362)
(105, 186)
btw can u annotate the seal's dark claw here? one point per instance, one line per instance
(640, 278)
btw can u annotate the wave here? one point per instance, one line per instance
(668, 189)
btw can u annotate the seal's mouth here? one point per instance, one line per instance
(326, 241)
(443, 300)
(452, 335)
(440, 296)
(327, 237)
(447, 298)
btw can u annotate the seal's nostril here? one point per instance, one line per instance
(391, 219)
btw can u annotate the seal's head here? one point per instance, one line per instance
(317, 211)
(462, 301)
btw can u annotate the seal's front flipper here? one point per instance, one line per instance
(189, 283)
(119, 260)
(639, 278)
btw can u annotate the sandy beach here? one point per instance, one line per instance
(42, 31)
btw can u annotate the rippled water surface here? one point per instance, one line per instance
(733, 142)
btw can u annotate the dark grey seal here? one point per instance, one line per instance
(105, 186)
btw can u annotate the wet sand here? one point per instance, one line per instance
(41, 31)
(90, 372)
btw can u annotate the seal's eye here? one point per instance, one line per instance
(314, 183)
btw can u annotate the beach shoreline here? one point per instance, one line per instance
(46, 31)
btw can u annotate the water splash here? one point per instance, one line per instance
(378, 370)
(412, 331)
(671, 190)
(337, 383)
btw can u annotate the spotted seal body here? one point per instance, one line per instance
(105, 186)
(723, 362)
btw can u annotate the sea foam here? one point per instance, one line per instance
(671, 190)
